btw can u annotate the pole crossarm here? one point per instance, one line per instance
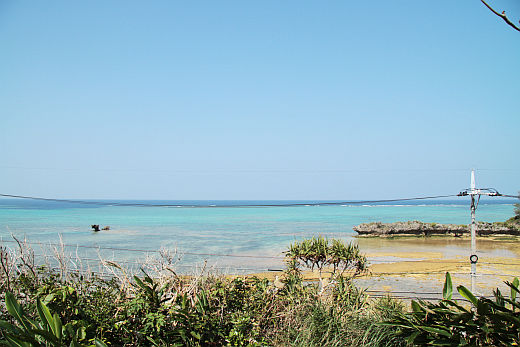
(479, 191)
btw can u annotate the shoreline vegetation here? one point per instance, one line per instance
(159, 307)
(46, 306)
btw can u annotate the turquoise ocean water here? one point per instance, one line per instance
(249, 231)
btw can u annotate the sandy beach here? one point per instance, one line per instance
(424, 268)
(408, 267)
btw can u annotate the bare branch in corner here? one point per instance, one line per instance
(501, 15)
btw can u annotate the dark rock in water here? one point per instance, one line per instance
(424, 229)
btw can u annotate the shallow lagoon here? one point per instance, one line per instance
(251, 231)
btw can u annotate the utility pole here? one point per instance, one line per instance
(473, 192)
(473, 258)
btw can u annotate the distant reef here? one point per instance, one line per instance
(425, 229)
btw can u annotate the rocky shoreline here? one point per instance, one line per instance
(425, 229)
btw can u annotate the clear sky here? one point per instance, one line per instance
(257, 99)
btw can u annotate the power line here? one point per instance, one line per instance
(460, 262)
(238, 268)
(145, 250)
(330, 203)
(101, 262)
(378, 274)
(435, 261)
(405, 294)
(510, 196)
(249, 170)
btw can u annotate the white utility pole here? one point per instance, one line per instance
(473, 258)
(473, 192)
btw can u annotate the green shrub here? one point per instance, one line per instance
(168, 310)
(322, 253)
(49, 331)
(448, 323)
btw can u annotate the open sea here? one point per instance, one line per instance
(251, 235)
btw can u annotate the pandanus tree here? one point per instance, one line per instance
(335, 257)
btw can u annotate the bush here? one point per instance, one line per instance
(170, 310)
(448, 323)
(49, 331)
(340, 258)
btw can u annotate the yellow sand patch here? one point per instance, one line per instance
(417, 255)
(413, 267)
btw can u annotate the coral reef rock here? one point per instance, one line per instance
(424, 229)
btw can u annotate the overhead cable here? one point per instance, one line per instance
(145, 250)
(510, 196)
(330, 203)
(433, 261)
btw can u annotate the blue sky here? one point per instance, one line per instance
(257, 99)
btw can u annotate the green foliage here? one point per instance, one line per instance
(349, 320)
(150, 291)
(448, 323)
(225, 312)
(49, 331)
(90, 304)
(447, 291)
(319, 253)
(209, 311)
(514, 290)
(202, 311)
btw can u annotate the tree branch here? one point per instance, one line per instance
(501, 15)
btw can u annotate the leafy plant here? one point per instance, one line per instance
(50, 331)
(150, 290)
(448, 323)
(321, 253)
(196, 310)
